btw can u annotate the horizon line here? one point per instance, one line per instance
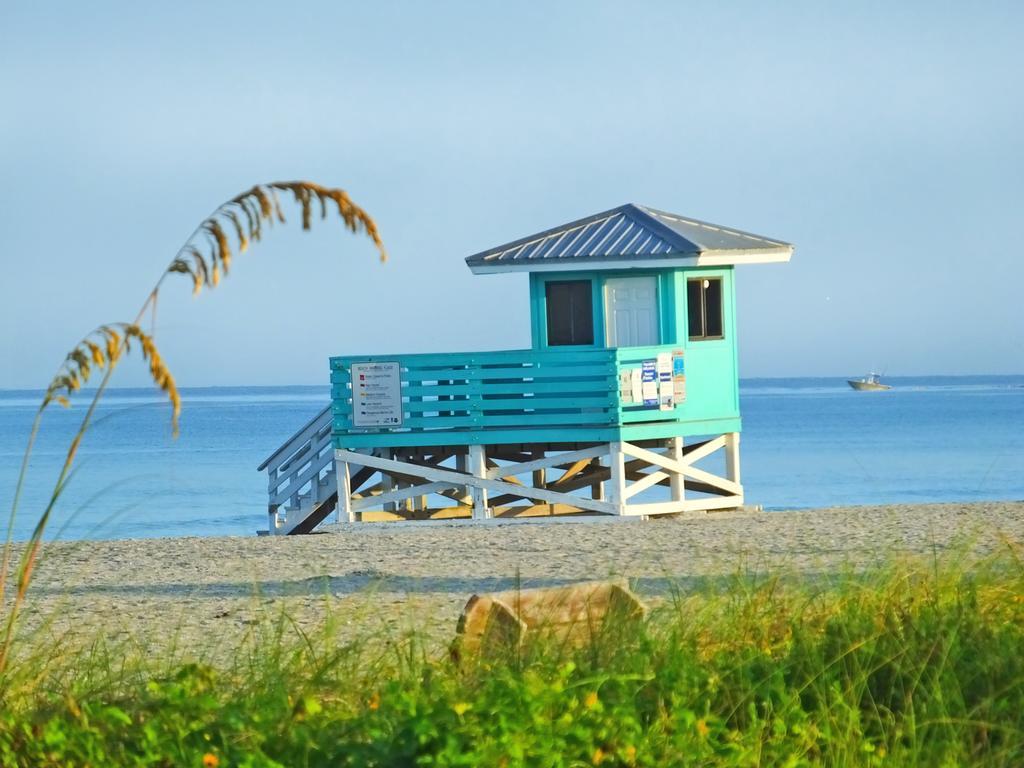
(327, 385)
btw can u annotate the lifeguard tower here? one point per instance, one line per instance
(631, 382)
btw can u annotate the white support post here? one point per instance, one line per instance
(345, 512)
(477, 460)
(732, 463)
(617, 483)
(387, 483)
(732, 457)
(677, 479)
(462, 465)
(272, 508)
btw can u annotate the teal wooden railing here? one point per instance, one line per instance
(527, 396)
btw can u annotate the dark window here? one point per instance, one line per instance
(704, 307)
(570, 312)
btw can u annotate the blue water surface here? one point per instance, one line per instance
(805, 443)
(816, 442)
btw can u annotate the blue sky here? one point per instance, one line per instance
(885, 140)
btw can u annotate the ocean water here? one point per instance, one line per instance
(805, 443)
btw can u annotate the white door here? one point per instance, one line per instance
(631, 311)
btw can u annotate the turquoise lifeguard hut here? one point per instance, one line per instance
(630, 382)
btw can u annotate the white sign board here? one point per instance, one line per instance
(625, 388)
(376, 395)
(636, 384)
(666, 398)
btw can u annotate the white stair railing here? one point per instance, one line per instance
(301, 486)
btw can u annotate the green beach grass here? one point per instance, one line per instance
(920, 663)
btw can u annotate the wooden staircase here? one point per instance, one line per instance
(301, 483)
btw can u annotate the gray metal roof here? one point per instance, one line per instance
(630, 236)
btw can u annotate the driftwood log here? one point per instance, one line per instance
(574, 614)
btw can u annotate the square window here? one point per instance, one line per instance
(570, 312)
(704, 308)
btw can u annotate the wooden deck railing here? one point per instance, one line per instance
(498, 397)
(481, 396)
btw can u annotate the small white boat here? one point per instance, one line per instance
(870, 383)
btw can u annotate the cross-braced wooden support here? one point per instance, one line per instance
(651, 477)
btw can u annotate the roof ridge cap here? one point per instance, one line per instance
(647, 219)
(709, 226)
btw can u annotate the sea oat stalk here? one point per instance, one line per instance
(205, 255)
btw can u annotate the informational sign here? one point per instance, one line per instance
(636, 385)
(678, 376)
(376, 395)
(649, 383)
(658, 383)
(625, 387)
(666, 400)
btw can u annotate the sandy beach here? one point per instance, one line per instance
(206, 593)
